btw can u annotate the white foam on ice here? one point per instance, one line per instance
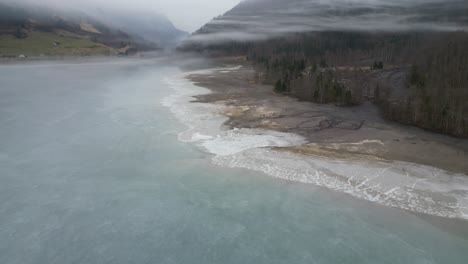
(205, 121)
(403, 185)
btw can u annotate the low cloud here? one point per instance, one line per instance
(262, 19)
(188, 15)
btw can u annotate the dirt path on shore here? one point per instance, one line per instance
(339, 132)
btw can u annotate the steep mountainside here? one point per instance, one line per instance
(260, 19)
(34, 30)
(408, 57)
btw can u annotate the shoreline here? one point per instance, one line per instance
(336, 129)
(260, 119)
(78, 58)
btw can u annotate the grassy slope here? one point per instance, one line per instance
(41, 43)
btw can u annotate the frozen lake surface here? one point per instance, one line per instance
(92, 171)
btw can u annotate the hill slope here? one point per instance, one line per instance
(35, 30)
(261, 19)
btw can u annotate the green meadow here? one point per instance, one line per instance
(38, 43)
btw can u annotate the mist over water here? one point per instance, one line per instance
(92, 171)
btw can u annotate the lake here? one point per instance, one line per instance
(92, 171)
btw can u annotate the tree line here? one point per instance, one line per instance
(348, 68)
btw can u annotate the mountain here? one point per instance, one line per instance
(34, 30)
(152, 27)
(410, 58)
(260, 19)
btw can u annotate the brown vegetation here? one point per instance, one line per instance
(417, 78)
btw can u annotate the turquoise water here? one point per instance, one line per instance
(91, 171)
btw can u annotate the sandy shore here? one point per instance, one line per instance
(351, 150)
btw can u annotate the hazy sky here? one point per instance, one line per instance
(188, 15)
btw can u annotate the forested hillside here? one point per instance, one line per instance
(417, 77)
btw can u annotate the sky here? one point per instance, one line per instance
(188, 15)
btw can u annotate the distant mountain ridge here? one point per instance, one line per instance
(152, 27)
